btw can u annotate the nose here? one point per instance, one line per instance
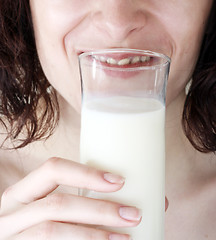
(119, 18)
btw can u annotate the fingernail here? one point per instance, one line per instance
(130, 213)
(113, 178)
(116, 236)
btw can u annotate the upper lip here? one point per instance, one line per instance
(80, 51)
(118, 56)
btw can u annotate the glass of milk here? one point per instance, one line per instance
(122, 129)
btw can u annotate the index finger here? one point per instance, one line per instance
(58, 171)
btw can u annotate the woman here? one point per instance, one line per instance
(40, 42)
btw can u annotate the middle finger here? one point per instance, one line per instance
(73, 209)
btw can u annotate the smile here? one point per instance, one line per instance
(124, 61)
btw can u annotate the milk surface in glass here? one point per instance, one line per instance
(125, 135)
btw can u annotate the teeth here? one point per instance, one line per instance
(102, 59)
(145, 58)
(111, 61)
(122, 62)
(135, 60)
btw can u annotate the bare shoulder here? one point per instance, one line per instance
(10, 167)
(206, 210)
(192, 216)
(10, 171)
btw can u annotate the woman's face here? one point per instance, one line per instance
(66, 28)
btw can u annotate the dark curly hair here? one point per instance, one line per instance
(23, 85)
(199, 115)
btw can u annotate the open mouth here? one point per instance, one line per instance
(118, 59)
(131, 61)
(122, 63)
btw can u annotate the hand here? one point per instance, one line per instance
(29, 209)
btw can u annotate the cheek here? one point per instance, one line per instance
(182, 66)
(59, 64)
(187, 32)
(60, 72)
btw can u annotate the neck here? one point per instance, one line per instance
(185, 166)
(65, 140)
(69, 117)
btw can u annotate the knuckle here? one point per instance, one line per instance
(104, 208)
(54, 202)
(90, 172)
(92, 235)
(89, 233)
(45, 231)
(52, 163)
(98, 234)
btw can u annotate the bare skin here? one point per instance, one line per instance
(29, 175)
(190, 184)
(190, 190)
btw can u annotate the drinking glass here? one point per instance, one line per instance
(122, 129)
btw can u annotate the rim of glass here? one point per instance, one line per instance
(166, 59)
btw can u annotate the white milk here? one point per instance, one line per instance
(125, 136)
